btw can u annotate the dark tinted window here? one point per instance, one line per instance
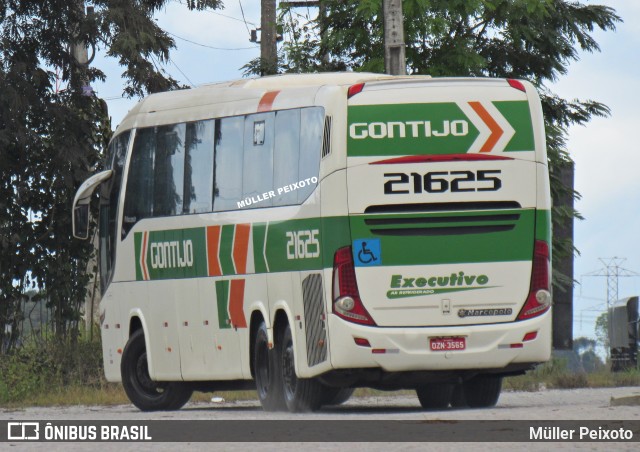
(168, 172)
(198, 167)
(229, 151)
(109, 196)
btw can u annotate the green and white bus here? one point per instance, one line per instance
(306, 235)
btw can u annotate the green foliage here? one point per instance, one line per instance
(602, 330)
(530, 39)
(47, 367)
(52, 138)
(557, 374)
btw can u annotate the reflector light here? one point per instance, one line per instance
(517, 84)
(536, 303)
(379, 351)
(530, 336)
(516, 345)
(362, 342)
(355, 89)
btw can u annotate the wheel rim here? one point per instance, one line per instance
(289, 371)
(142, 379)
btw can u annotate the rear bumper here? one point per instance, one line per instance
(494, 346)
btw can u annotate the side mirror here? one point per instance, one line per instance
(80, 218)
(81, 221)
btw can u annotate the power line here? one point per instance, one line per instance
(612, 272)
(243, 18)
(185, 75)
(222, 15)
(208, 46)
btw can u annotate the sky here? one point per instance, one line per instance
(606, 155)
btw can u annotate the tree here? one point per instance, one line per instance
(51, 139)
(530, 39)
(602, 331)
(585, 348)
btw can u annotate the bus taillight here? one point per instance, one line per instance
(355, 89)
(346, 297)
(539, 299)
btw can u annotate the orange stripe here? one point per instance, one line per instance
(241, 248)
(213, 243)
(496, 130)
(236, 304)
(266, 103)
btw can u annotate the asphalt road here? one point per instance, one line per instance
(374, 414)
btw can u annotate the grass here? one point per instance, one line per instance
(53, 374)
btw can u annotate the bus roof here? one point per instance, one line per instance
(245, 96)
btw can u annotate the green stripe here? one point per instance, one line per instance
(436, 113)
(259, 230)
(441, 246)
(226, 249)
(447, 247)
(543, 225)
(519, 116)
(137, 243)
(171, 254)
(416, 141)
(222, 300)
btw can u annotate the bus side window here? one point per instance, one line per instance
(257, 171)
(229, 156)
(169, 170)
(286, 156)
(198, 167)
(139, 192)
(312, 124)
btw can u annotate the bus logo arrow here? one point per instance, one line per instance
(495, 130)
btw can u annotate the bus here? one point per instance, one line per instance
(305, 235)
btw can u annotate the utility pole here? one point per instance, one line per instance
(394, 55)
(563, 298)
(268, 38)
(79, 80)
(80, 53)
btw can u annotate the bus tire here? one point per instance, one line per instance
(145, 393)
(435, 396)
(300, 394)
(336, 396)
(267, 372)
(482, 391)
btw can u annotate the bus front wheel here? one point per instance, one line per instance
(300, 394)
(145, 393)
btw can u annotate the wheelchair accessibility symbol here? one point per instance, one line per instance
(367, 252)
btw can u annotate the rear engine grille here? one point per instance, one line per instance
(432, 224)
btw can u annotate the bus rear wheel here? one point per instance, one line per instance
(482, 391)
(435, 396)
(145, 393)
(336, 396)
(300, 394)
(267, 372)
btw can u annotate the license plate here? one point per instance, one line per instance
(443, 344)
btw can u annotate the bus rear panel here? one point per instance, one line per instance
(449, 215)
